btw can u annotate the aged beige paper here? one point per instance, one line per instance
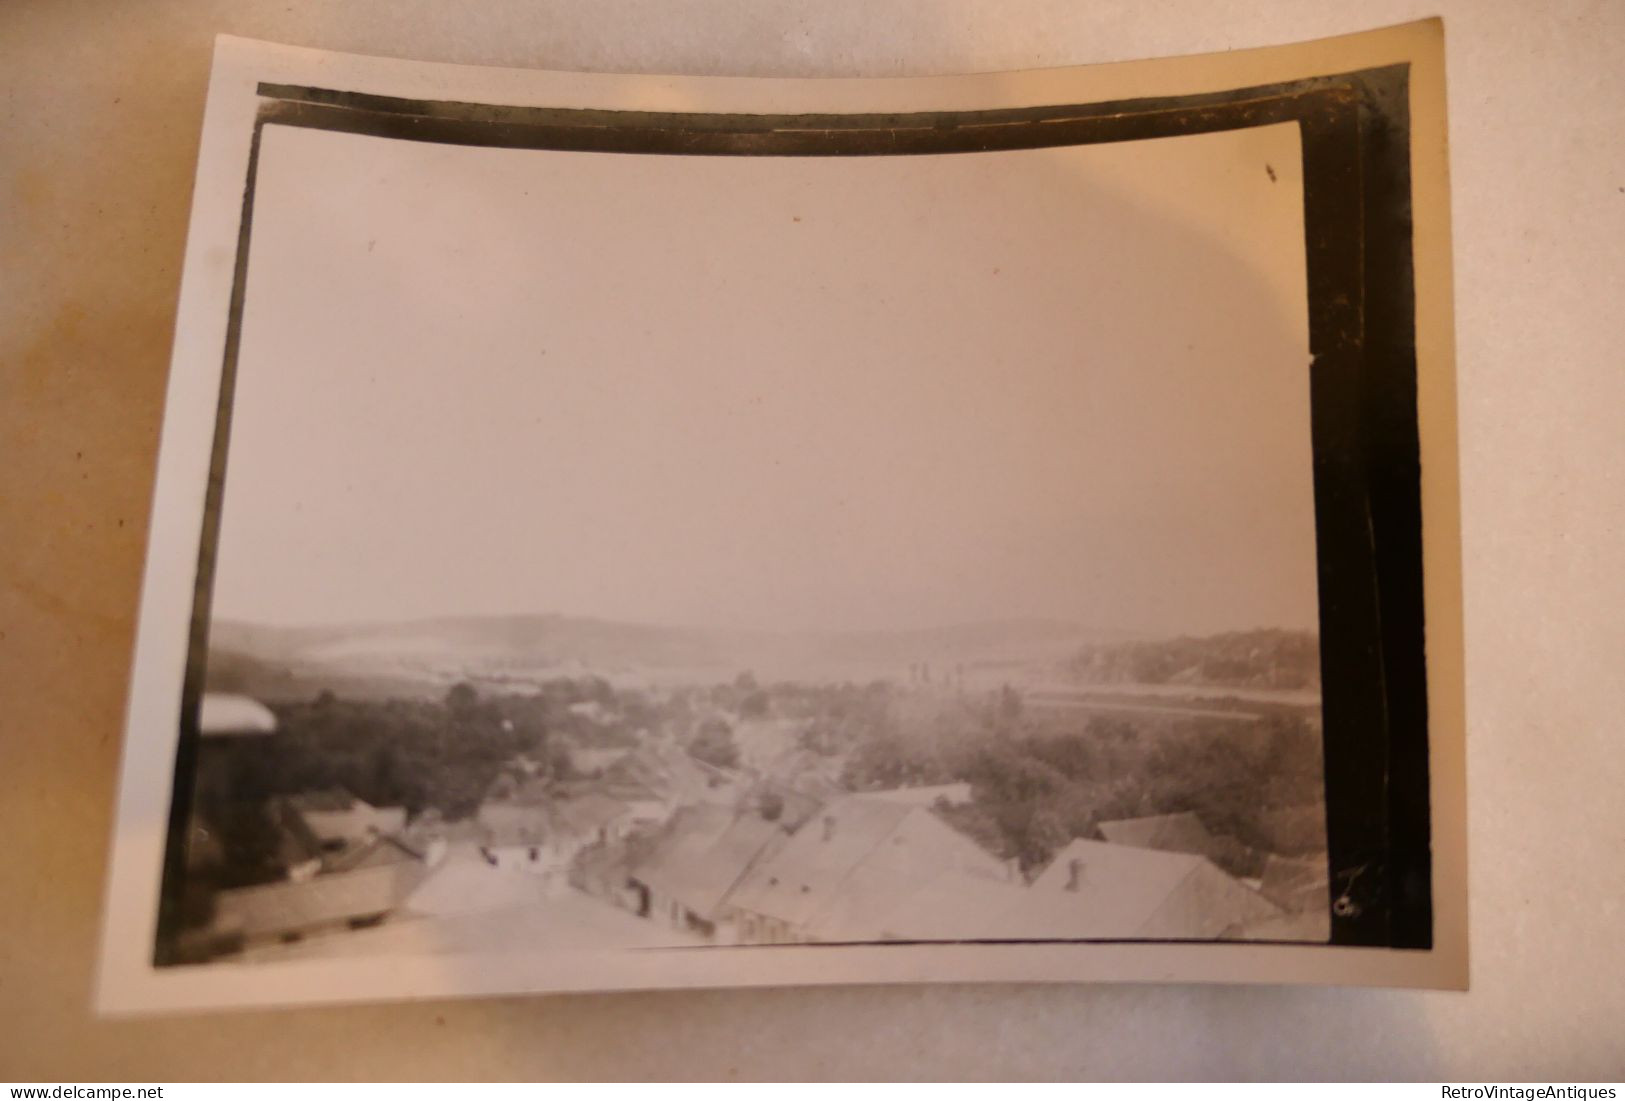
(642, 532)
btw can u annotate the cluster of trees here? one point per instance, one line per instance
(1237, 659)
(414, 753)
(1037, 780)
(832, 719)
(837, 718)
(420, 754)
(1033, 794)
(713, 743)
(444, 754)
(1037, 783)
(741, 696)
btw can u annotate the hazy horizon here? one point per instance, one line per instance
(798, 395)
(1099, 632)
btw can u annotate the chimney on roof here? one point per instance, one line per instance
(1074, 874)
(829, 826)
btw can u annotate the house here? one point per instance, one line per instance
(516, 827)
(322, 831)
(589, 761)
(232, 731)
(1182, 833)
(336, 820)
(953, 906)
(788, 805)
(225, 715)
(646, 813)
(380, 851)
(229, 729)
(540, 829)
(291, 910)
(657, 773)
(703, 855)
(804, 779)
(306, 850)
(846, 866)
(1306, 927)
(593, 818)
(1298, 885)
(520, 839)
(431, 830)
(1099, 890)
(466, 907)
(929, 796)
(1292, 829)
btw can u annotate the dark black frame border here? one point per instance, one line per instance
(1355, 131)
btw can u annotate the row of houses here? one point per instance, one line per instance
(727, 860)
(346, 864)
(1298, 886)
(350, 865)
(540, 825)
(884, 866)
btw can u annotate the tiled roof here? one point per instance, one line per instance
(1127, 892)
(1296, 884)
(286, 907)
(925, 796)
(854, 859)
(374, 853)
(222, 715)
(1306, 927)
(1181, 832)
(542, 817)
(585, 814)
(705, 853)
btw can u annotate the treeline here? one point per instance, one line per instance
(442, 755)
(420, 754)
(1038, 782)
(1239, 659)
(1038, 779)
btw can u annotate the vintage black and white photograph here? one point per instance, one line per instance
(635, 532)
(875, 549)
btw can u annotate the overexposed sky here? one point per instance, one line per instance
(870, 392)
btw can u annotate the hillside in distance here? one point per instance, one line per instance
(1261, 659)
(426, 655)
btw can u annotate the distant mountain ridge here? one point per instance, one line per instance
(536, 645)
